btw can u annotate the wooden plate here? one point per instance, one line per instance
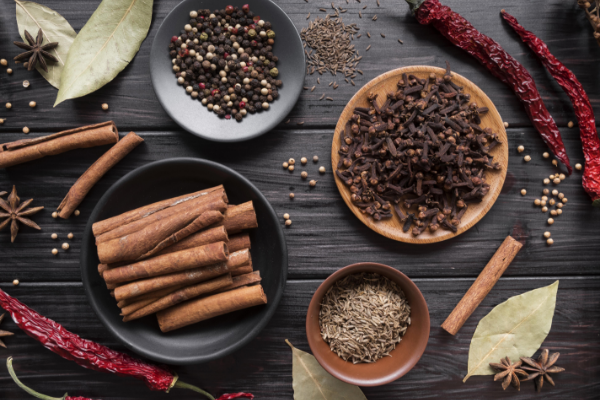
(392, 228)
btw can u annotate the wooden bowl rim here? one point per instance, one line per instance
(425, 237)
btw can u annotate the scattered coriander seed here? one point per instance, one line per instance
(551, 202)
(543, 203)
(54, 214)
(559, 211)
(527, 158)
(286, 216)
(562, 177)
(77, 212)
(54, 236)
(104, 106)
(554, 192)
(544, 209)
(552, 177)
(312, 183)
(578, 167)
(322, 170)
(546, 181)
(288, 222)
(506, 124)
(26, 84)
(315, 158)
(65, 246)
(550, 221)
(555, 163)
(1, 121)
(303, 160)
(556, 181)
(521, 149)
(561, 195)
(523, 192)
(291, 161)
(25, 129)
(550, 242)
(559, 205)
(546, 154)
(304, 174)
(32, 104)
(547, 234)
(546, 192)
(3, 62)
(291, 195)
(545, 198)
(285, 165)
(553, 213)
(55, 251)
(537, 202)
(570, 124)
(564, 200)
(70, 235)
(16, 282)
(8, 106)
(9, 71)
(291, 168)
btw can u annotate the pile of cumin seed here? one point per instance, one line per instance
(363, 317)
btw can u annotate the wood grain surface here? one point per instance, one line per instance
(392, 228)
(325, 235)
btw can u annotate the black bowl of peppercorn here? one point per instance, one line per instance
(227, 74)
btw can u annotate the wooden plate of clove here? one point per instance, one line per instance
(420, 154)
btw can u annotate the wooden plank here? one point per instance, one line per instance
(133, 104)
(325, 235)
(264, 366)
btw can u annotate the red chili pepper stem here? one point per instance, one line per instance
(32, 392)
(183, 385)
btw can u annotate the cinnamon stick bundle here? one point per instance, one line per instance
(155, 295)
(89, 178)
(169, 263)
(212, 235)
(128, 217)
(238, 218)
(204, 308)
(180, 296)
(25, 150)
(239, 242)
(158, 235)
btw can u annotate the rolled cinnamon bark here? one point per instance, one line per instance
(174, 262)
(212, 235)
(238, 218)
(157, 294)
(128, 217)
(32, 149)
(156, 236)
(204, 308)
(133, 307)
(180, 296)
(188, 277)
(244, 269)
(93, 174)
(239, 242)
(241, 280)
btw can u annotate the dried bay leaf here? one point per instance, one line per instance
(312, 382)
(33, 16)
(515, 328)
(104, 46)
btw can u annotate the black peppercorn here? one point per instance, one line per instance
(238, 117)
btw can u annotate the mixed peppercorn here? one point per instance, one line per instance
(225, 59)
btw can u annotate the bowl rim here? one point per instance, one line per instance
(314, 306)
(94, 302)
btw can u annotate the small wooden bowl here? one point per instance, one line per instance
(403, 358)
(392, 228)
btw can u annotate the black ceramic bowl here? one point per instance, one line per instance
(191, 114)
(214, 338)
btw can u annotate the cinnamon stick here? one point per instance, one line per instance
(128, 217)
(25, 150)
(169, 263)
(238, 218)
(155, 295)
(244, 269)
(133, 307)
(180, 296)
(201, 309)
(482, 285)
(93, 174)
(239, 242)
(212, 235)
(158, 235)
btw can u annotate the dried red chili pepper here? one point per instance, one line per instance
(87, 353)
(581, 104)
(501, 64)
(228, 396)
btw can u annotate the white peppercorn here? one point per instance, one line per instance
(545, 192)
(544, 209)
(16, 282)
(550, 221)
(315, 159)
(32, 104)
(527, 158)
(553, 213)
(546, 181)
(54, 214)
(291, 168)
(322, 169)
(554, 192)
(55, 251)
(304, 174)
(76, 213)
(550, 242)
(521, 149)
(105, 106)
(303, 160)
(547, 234)
(578, 167)
(564, 200)
(25, 129)
(537, 202)
(556, 181)
(555, 163)
(570, 124)
(288, 222)
(312, 183)
(286, 216)
(54, 236)
(70, 235)
(523, 192)
(561, 195)
(559, 211)
(291, 195)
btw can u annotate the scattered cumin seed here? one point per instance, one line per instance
(382, 35)
(330, 83)
(312, 89)
(308, 16)
(369, 35)
(378, 5)
(364, 7)
(306, 88)
(329, 98)
(375, 17)
(368, 47)
(352, 82)
(288, 121)
(358, 37)
(332, 6)
(319, 81)
(359, 14)
(359, 71)
(301, 123)
(322, 10)
(400, 41)
(335, 86)
(322, 96)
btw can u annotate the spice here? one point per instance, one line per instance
(501, 64)
(3, 333)
(416, 149)
(509, 373)
(581, 104)
(360, 306)
(322, 170)
(541, 368)
(55, 251)
(286, 216)
(36, 53)
(521, 149)
(9, 71)
(550, 221)
(550, 242)
(54, 236)
(315, 159)
(70, 235)
(546, 154)
(87, 353)
(16, 282)
(3, 62)
(547, 234)
(288, 222)
(25, 129)
(291, 161)
(8, 106)
(592, 12)
(312, 183)
(285, 165)
(291, 168)
(291, 195)
(104, 106)
(578, 167)
(304, 174)
(303, 160)
(523, 192)
(17, 211)
(527, 158)
(65, 246)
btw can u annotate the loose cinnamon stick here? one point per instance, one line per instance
(32, 149)
(482, 285)
(201, 309)
(212, 235)
(93, 174)
(180, 296)
(157, 236)
(188, 277)
(239, 242)
(238, 218)
(173, 262)
(133, 307)
(128, 217)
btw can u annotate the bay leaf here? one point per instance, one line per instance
(33, 16)
(515, 328)
(312, 382)
(104, 46)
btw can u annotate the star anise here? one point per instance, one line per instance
(4, 333)
(510, 373)
(35, 51)
(541, 368)
(15, 211)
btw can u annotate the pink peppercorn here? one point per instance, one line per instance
(245, 69)
(174, 39)
(242, 104)
(245, 8)
(228, 116)
(202, 85)
(256, 18)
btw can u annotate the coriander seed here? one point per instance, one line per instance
(523, 192)
(527, 158)
(564, 200)
(104, 106)
(555, 163)
(25, 129)
(544, 209)
(561, 196)
(545, 198)
(8, 106)
(551, 202)
(315, 159)
(521, 149)
(303, 160)
(559, 211)
(3, 62)
(570, 124)
(312, 183)
(9, 71)
(54, 214)
(291, 168)
(545, 192)
(55, 251)
(1, 121)
(286, 216)
(291, 161)
(70, 235)
(288, 222)
(304, 174)
(551, 177)
(546, 181)
(556, 181)
(559, 205)
(547, 234)
(32, 104)
(65, 246)
(322, 170)
(506, 124)
(578, 167)
(550, 242)
(562, 177)
(546, 154)
(553, 213)
(543, 203)
(537, 202)
(550, 221)
(285, 165)
(77, 212)
(16, 282)
(291, 195)
(25, 84)
(54, 236)
(554, 192)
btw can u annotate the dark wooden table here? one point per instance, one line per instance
(325, 235)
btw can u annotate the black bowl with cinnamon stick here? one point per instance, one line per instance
(184, 261)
